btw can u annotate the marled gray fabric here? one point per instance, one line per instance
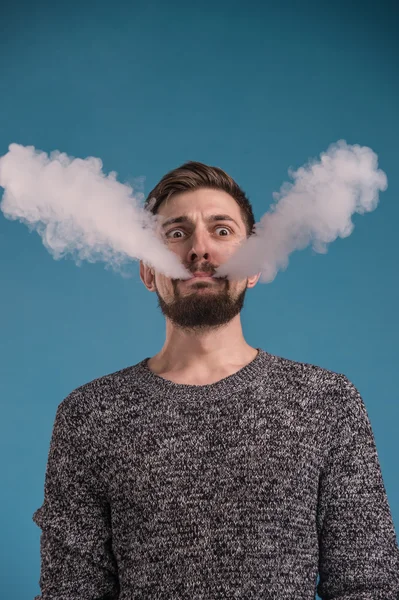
(245, 488)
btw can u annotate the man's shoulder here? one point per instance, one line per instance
(304, 372)
(101, 392)
(315, 387)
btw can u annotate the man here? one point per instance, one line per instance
(213, 469)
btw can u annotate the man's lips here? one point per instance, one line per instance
(202, 276)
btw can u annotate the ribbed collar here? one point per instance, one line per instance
(243, 377)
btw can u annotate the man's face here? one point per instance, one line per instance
(202, 245)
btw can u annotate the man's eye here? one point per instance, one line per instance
(172, 231)
(223, 227)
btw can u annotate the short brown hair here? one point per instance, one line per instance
(194, 175)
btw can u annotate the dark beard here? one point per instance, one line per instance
(202, 311)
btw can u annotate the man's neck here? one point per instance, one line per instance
(181, 365)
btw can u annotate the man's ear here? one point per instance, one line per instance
(147, 276)
(253, 280)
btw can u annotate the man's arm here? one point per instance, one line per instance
(358, 550)
(77, 562)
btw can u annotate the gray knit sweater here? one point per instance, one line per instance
(245, 488)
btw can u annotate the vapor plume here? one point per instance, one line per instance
(316, 209)
(77, 209)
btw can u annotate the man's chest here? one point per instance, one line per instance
(227, 459)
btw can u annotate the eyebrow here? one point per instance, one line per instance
(210, 219)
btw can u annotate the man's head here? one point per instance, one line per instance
(187, 200)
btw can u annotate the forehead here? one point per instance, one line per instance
(200, 203)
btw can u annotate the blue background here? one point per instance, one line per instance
(252, 87)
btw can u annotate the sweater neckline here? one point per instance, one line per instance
(241, 378)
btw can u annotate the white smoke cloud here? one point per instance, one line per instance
(77, 209)
(316, 208)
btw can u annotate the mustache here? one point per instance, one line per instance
(206, 268)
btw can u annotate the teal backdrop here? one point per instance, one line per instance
(252, 87)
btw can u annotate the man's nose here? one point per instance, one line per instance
(201, 246)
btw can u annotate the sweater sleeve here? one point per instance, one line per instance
(358, 550)
(77, 562)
